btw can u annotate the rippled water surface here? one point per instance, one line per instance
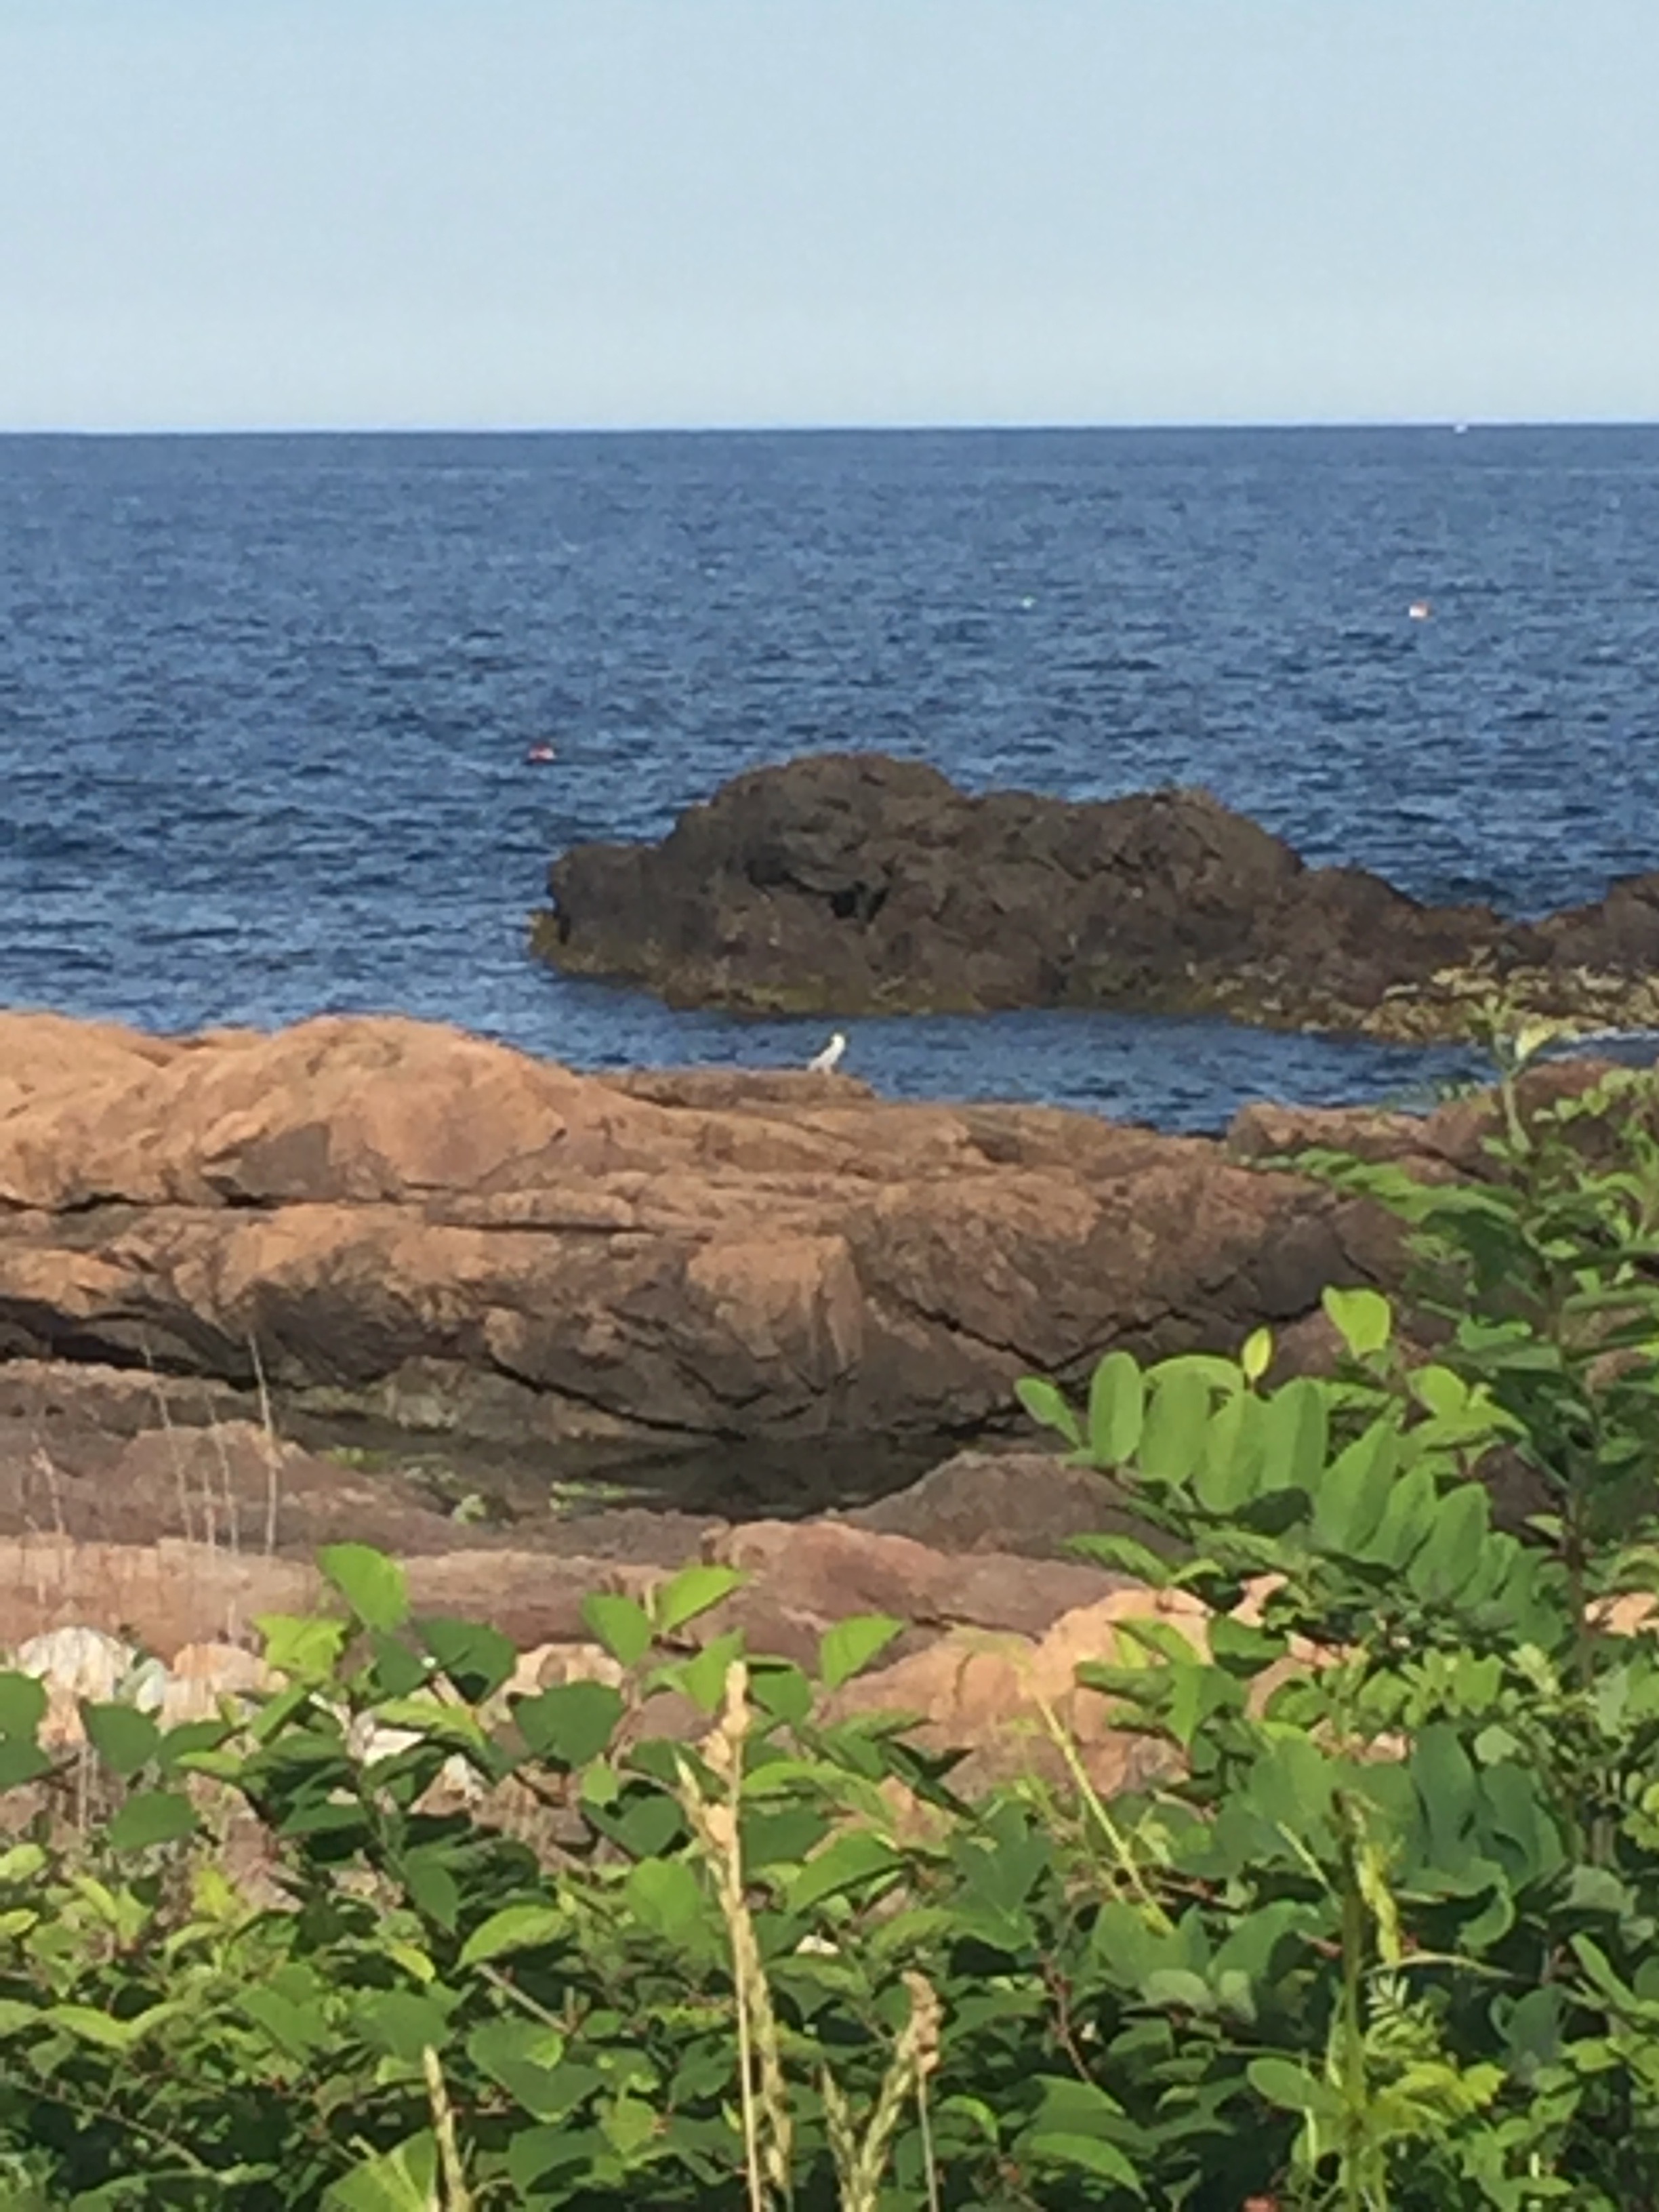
(265, 704)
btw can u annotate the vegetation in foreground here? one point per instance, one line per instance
(1382, 1933)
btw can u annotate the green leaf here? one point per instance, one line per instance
(123, 1737)
(1126, 1554)
(1622, 1999)
(1532, 2028)
(781, 1688)
(374, 1586)
(1176, 1426)
(154, 1816)
(1047, 1405)
(1281, 2082)
(1229, 1472)
(431, 1886)
(396, 1669)
(306, 1648)
(22, 1704)
(1081, 2108)
(694, 1590)
(1363, 1319)
(1353, 1492)
(1117, 1410)
(1291, 1783)
(1440, 1391)
(852, 1859)
(629, 2126)
(401, 2180)
(1407, 1519)
(1087, 2153)
(782, 1838)
(1598, 1890)
(702, 1677)
(977, 2112)
(297, 2030)
(1452, 1556)
(1296, 1436)
(1444, 1777)
(1074, 2127)
(186, 1746)
(621, 1624)
(526, 2058)
(88, 2024)
(22, 1762)
(645, 1821)
(534, 2154)
(1257, 1354)
(571, 1722)
(853, 1645)
(1216, 1374)
(1178, 1989)
(512, 2040)
(402, 2023)
(476, 1658)
(1006, 1866)
(666, 1896)
(515, 1927)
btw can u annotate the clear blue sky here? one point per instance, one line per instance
(220, 213)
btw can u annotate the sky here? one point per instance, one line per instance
(241, 214)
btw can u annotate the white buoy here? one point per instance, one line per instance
(825, 1063)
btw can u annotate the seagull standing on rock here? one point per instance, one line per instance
(825, 1063)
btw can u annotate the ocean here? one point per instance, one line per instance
(265, 702)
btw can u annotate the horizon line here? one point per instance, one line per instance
(919, 426)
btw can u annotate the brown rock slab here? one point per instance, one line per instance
(1004, 1697)
(160, 1595)
(820, 1571)
(394, 1222)
(1022, 1502)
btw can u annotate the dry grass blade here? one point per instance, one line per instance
(454, 2196)
(46, 1467)
(228, 1488)
(768, 2131)
(860, 2164)
(273, 1450)
(181, 1481)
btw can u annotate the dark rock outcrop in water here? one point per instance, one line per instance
(855, 884)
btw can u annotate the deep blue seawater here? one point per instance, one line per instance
(265, 703)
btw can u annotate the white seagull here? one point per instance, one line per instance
(825, 1063)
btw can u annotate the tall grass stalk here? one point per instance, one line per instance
(860, 2161)
(455, 2196)
(767, 2130)
(273, 1449)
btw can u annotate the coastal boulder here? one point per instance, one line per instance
(379, 1217)
(851, 882)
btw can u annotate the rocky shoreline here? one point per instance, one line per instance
(223, 1258)
(414, 1242)
(392, 1224)
(853, 884)
(983, 1633)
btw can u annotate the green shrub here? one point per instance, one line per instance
(1382, 1934)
